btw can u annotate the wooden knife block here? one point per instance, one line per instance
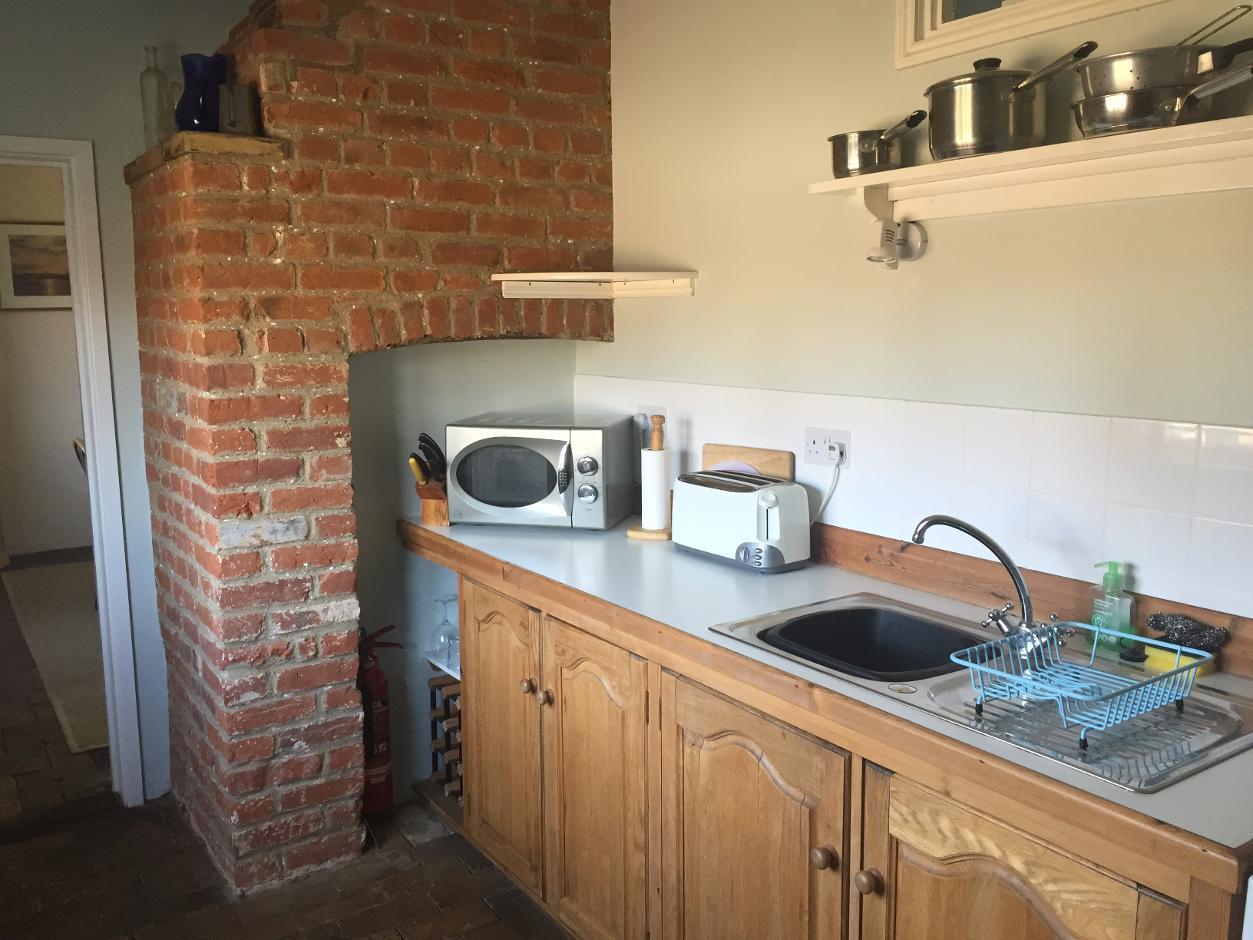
(434, 503)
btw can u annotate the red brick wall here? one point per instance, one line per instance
(432, 143)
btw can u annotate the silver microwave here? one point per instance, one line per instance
(550, 470)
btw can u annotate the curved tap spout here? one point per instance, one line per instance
(1024, 599)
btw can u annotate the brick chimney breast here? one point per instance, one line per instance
(415, 147)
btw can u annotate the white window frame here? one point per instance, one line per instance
(923, 36)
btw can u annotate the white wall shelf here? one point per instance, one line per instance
(598, 285)
(1214, 156)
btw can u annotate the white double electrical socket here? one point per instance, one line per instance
(818, 443)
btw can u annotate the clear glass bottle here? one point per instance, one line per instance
(154, 96)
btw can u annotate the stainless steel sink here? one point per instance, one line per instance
(902, 651)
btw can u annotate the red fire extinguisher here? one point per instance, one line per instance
(372, 682)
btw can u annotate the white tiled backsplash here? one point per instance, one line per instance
(1060, 492)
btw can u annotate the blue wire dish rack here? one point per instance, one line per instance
(1031, 666)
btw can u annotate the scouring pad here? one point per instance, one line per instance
(1187, 631)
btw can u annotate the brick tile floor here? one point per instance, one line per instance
(141, 873)
(38, 774)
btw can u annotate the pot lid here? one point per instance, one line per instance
(986, 70)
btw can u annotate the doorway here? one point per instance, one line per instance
(69, 733)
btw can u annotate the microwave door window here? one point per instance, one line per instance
(507, 476)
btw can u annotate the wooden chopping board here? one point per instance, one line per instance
(771, 463)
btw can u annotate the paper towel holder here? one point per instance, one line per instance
(654, 475)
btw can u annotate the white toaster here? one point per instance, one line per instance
(758, 522)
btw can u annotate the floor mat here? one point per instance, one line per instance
(55, 607)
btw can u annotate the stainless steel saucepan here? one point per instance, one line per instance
(859, 152)
(1183, 64)
(992, 109)
(1153, 107)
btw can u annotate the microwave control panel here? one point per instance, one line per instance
(604, 461)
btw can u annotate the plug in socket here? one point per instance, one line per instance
(818, 442)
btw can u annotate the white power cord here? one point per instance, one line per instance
(841, 455)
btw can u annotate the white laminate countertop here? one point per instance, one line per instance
(692, 594)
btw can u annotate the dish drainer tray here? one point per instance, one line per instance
(1030, 667)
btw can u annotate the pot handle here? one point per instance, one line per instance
(1214, 26)
(1227, 54)
(1077, 54)
(1222, 82)
(900, 127)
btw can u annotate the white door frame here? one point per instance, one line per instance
(76, 161)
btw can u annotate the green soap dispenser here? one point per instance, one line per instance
(1111, 605)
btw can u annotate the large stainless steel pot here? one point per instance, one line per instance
(1184, 64)
(1153, 107)
(859, 152)
(991, 109)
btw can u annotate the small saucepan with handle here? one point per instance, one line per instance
(1185, 64)
(1153, 107)
(860, 152)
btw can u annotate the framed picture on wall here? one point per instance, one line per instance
(34, 267)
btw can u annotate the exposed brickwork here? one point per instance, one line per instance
(433, 143)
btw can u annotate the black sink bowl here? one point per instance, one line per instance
(871, 642)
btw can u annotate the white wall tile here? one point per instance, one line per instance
(927, 495)
(1218, 566)
(1000, 511)
(1069, 454)
(998, 446)
(1040, 484)
(1154, 543)
(1152, 464)
(1065, 535)
(1224, 479)
(879, 432)
(869, 500)
(935, 438)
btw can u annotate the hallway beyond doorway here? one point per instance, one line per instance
(39, 777)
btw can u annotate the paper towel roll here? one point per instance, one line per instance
(655, 489)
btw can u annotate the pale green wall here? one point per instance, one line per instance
(395, 396)
(70, 68)
(721, 113)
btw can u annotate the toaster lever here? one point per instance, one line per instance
(767, 516)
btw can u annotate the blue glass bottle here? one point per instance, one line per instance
(197, 109)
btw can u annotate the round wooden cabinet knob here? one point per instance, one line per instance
(544, 696)
(868, 881)
(527, 686)
(823, 858)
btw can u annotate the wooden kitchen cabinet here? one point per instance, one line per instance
(595, 813)
(948, 842)
(500, 659)
(752, 823)
(555, 785)
(933, 869)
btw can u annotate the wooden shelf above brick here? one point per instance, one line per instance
(1196, 158)
(598, 285)
(185, 143)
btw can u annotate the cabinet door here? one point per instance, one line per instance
(501, 714)
(938, 870)
(753, 823)
(594, 783)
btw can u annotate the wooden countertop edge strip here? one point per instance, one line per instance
(979, 581)
(1155, 854)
